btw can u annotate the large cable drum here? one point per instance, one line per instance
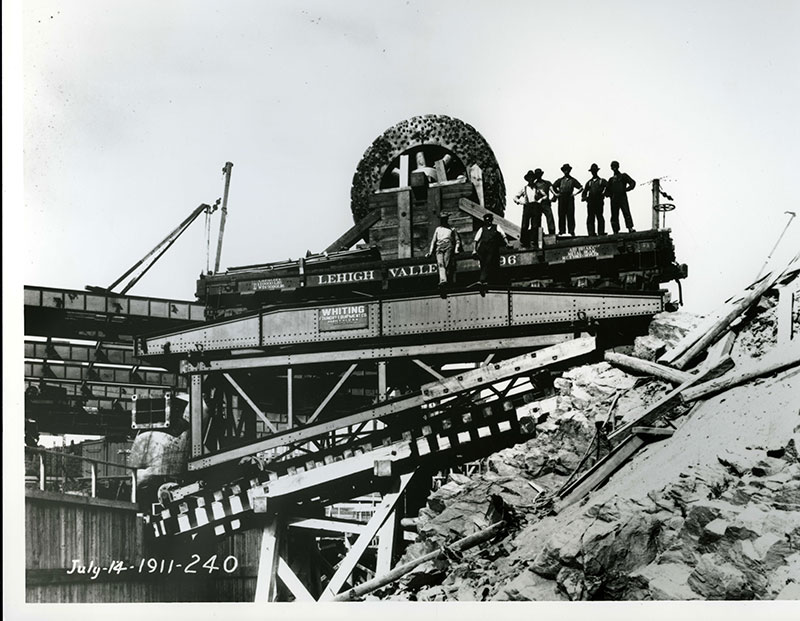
(427, 139)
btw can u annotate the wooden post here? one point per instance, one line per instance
(42, 473)
(93, 475)
(267, 579)
(441, 171)
(386, 536)
(656, 201)
(476, 177)
(786, 301)
(289, 397)
(405, 180)
(370, 530)
(404, 236)
(134, 487)
(382, 387)
(434, 205)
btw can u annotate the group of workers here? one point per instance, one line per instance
(538, 193)
(536, 198)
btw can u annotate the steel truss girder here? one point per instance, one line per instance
(381, 320)
(372, 353)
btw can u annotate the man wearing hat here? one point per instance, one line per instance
(531, 216)
(543, 190)
(565, 188)
(617, 188)
(488, 242)
(593, 193)
(444, 245)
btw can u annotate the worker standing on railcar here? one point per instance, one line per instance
(444, 245)
(488, 242)
(565, 189)
(619, 184)
(593, 194)
(531, 216)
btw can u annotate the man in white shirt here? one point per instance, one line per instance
(444, 245)
(531, 217)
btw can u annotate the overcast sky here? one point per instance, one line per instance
(132, 108)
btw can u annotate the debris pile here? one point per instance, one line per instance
(710, 512)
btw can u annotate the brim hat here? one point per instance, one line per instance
(529, 175)
(594, 168)
(538, 172)
(566, 168)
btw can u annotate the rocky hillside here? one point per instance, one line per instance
(712, 512)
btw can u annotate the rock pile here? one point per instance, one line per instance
(711, 513)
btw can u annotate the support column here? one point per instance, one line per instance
(196, 414)
(268, 561)
(404, 234)
(289, 397)
(656, 200)
(382, 387)
(372, 527)
(386, 537)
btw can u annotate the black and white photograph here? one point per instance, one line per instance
(380, 308)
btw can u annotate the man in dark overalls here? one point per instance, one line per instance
(593, 193)
(488, 242)
(565, 188)
(619, 184)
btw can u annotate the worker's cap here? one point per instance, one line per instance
(529, 175)
(488, 217)
(594, 168)
(615, 164)
(566, 168)
(538, 172)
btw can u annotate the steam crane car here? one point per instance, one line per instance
(351, 356)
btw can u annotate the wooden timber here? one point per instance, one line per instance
(722, 324)
(477, 211)
(356, 232)
(766, 367)
(648, 368)
(601, 471)
(666, 403)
